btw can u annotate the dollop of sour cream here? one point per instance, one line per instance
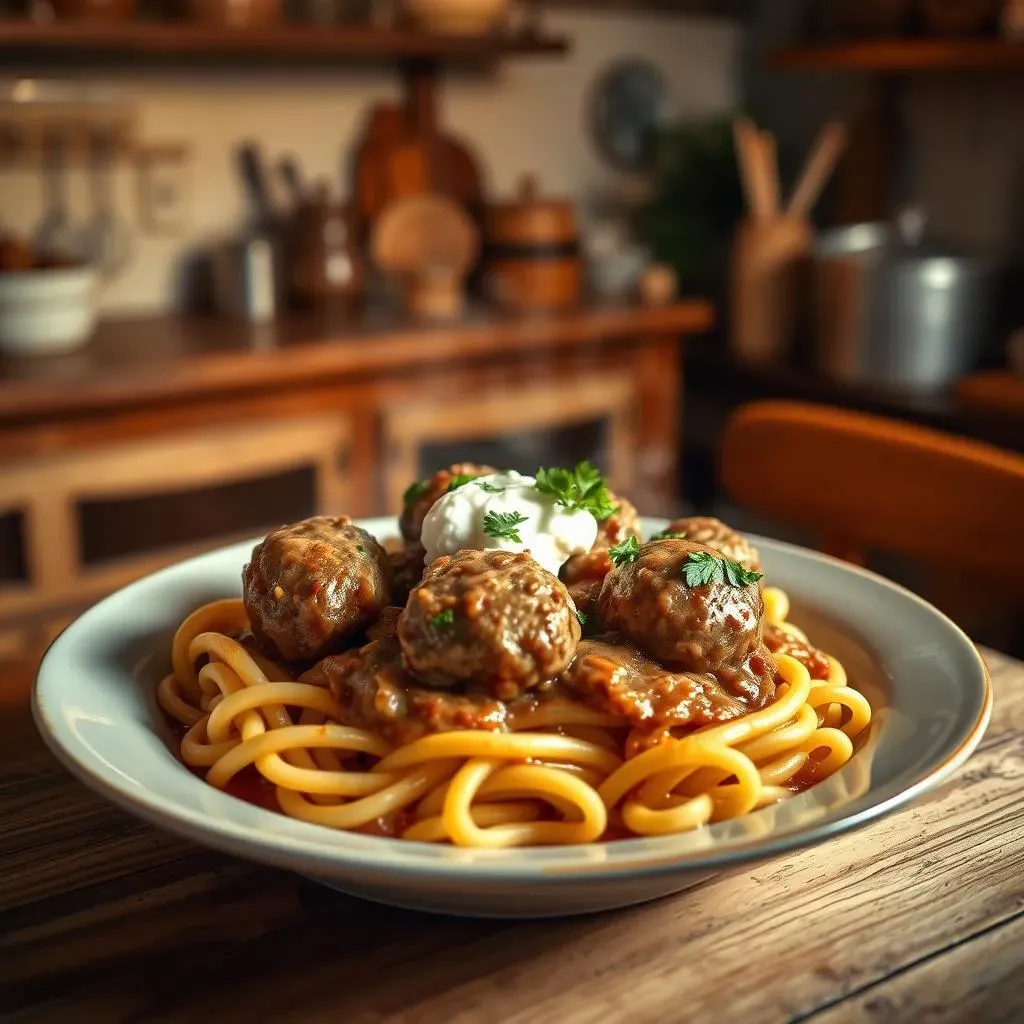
(550, 532)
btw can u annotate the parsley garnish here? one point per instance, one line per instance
(413, 491)
(459, 479)
(580, 488)
(581, 618)
(361, 549)
(626, 552)
(669, 535)
(490, 488)
(445, 618)
(503, 525)
(703, 568)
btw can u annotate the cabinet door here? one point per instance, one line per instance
(93, 519)
(547, 422)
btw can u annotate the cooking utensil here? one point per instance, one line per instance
(291, 175)
(827, 150)
(890, 310)
(382, 168)
(755, 153)
(428, 243)
(769, 248)
(532, 251)
(264, 219)
(106, 240)
(55, 237)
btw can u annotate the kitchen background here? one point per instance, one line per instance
(548, 231)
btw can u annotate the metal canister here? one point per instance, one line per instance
(245, 279)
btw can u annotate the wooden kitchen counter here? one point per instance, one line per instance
(141, 362)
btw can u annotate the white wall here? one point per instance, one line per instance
(528, 116)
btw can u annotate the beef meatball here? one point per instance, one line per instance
(715, 534)
(422, 495)
(704, 628)
(377, 692)
(496, 619)
(311, 588)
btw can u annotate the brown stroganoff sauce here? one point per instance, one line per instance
(778, 641)
(616, 678)
(377, 692)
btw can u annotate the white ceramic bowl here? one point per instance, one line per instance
(47, 311)
(94, 705)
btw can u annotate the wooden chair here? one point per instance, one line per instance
(862, 482)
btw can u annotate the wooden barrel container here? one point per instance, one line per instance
(532, 252)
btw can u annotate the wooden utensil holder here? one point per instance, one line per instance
(768, 257)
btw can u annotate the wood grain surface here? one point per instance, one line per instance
(919, 917)
(138, 362)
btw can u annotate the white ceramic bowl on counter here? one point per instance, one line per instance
(47, 311)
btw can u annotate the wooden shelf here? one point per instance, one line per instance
(905, 56)
(134, 43)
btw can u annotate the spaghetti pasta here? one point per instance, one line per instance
(559, 772)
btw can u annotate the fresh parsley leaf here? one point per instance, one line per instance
(490, 488)
(445, 618)
(458, 480)
(669, 535)
(581, 618)
(361, 549)
(413, 491)
(703, 568)
(503, 525)
(579, 488)
(626, 552)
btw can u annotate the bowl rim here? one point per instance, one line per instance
(310, 856)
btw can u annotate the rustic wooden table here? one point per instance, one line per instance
(919, 917)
